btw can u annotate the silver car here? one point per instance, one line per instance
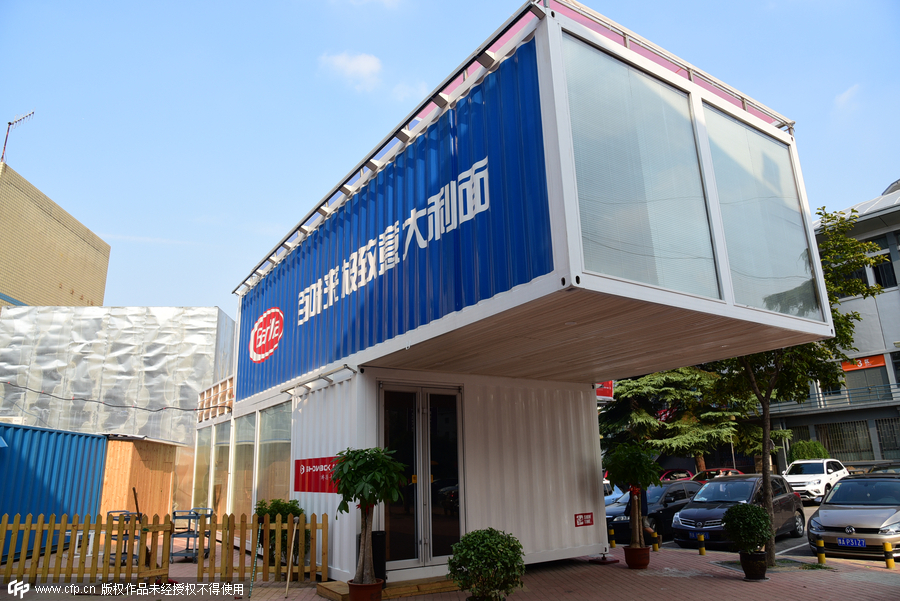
(859, 515)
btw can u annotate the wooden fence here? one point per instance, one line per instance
(122, 550)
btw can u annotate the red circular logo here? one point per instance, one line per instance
(265, 335)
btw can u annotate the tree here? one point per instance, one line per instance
(784, 375)
(675, 412)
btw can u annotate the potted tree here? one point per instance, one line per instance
(489, 563)
(749, 528)
(633, 465)
(366, 477)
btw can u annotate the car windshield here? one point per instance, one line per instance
(653, 495)
(733, 491)
(805, 468)
(864, 492)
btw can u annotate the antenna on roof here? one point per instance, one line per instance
(10, 125)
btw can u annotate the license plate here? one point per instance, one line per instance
(851, 542)
(693, 535)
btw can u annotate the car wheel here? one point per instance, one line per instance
(799, 526)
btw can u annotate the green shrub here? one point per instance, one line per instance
(747, 526)
(807, 449)
(489, 563)
(286, 509)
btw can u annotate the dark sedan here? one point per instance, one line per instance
(703, 515)
(662, 502)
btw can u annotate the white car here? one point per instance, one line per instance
(814, 477)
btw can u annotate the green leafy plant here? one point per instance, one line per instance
(489, 563)
(367, 477)
(286, 509)
(747, 526)
(807, 449)
(634, 465)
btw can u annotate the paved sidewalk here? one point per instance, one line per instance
(673, 575)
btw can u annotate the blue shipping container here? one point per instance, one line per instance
(458, 216)
(49, 472)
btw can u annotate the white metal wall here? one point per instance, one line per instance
(325, 421)
(532, 454)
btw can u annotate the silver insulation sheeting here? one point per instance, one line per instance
(112, 370)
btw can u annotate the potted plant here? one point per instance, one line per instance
(749, 528)
(489, 563)
(366, 477)
(632, 464)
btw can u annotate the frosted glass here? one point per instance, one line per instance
(201, 467)
(640, 194)
(274, 465)
(242, 483)
(767, 246)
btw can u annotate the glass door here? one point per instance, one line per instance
(422, 426)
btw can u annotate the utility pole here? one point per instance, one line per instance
(10, 125)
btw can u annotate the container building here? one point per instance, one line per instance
(572, 205)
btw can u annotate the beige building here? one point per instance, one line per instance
(46, 256)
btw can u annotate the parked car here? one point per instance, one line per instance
(662, 503)
(675, 474)
(885, 468)
(705, 475)
(859, 515)
(703, 515)
(814, 477)
(611, 493)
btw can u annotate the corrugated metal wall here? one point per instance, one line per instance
(327, 421)
(459, 216)
(50, 472)
(532, 462)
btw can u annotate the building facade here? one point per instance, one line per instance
(573, 205)
(860, 423)
(46, 256)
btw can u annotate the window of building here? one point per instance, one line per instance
(201, 467)
(640, 193)
(883, 273)
(889, 437)
(768, 249)
(274, 462)
(799, 433)
(220, 468)
(242, 482)
(847, 441)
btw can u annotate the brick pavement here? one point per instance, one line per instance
(674, 574)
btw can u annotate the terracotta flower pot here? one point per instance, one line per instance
(754, 565)
(637, 558)
(365, 592)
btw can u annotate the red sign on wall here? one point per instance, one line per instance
(584, 519)
(604, 389)
(314, 475)
(863, 363)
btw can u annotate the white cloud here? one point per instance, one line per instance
(845, 99)
(406, 91)
(360, 70)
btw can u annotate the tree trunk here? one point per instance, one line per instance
(700, 462)
(767, 479)
(365, 570)
(637, 524)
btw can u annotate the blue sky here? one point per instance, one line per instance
(192, 135)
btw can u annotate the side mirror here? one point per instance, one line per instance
(818, 500)
(830, 471)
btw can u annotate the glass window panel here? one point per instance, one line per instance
(220, 468)
(274, 463)
(242, 480)
(767, 246)
(884, 275)
(201, 467)
(640, 195)
(184, 470)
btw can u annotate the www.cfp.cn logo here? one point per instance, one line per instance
(17, 588)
